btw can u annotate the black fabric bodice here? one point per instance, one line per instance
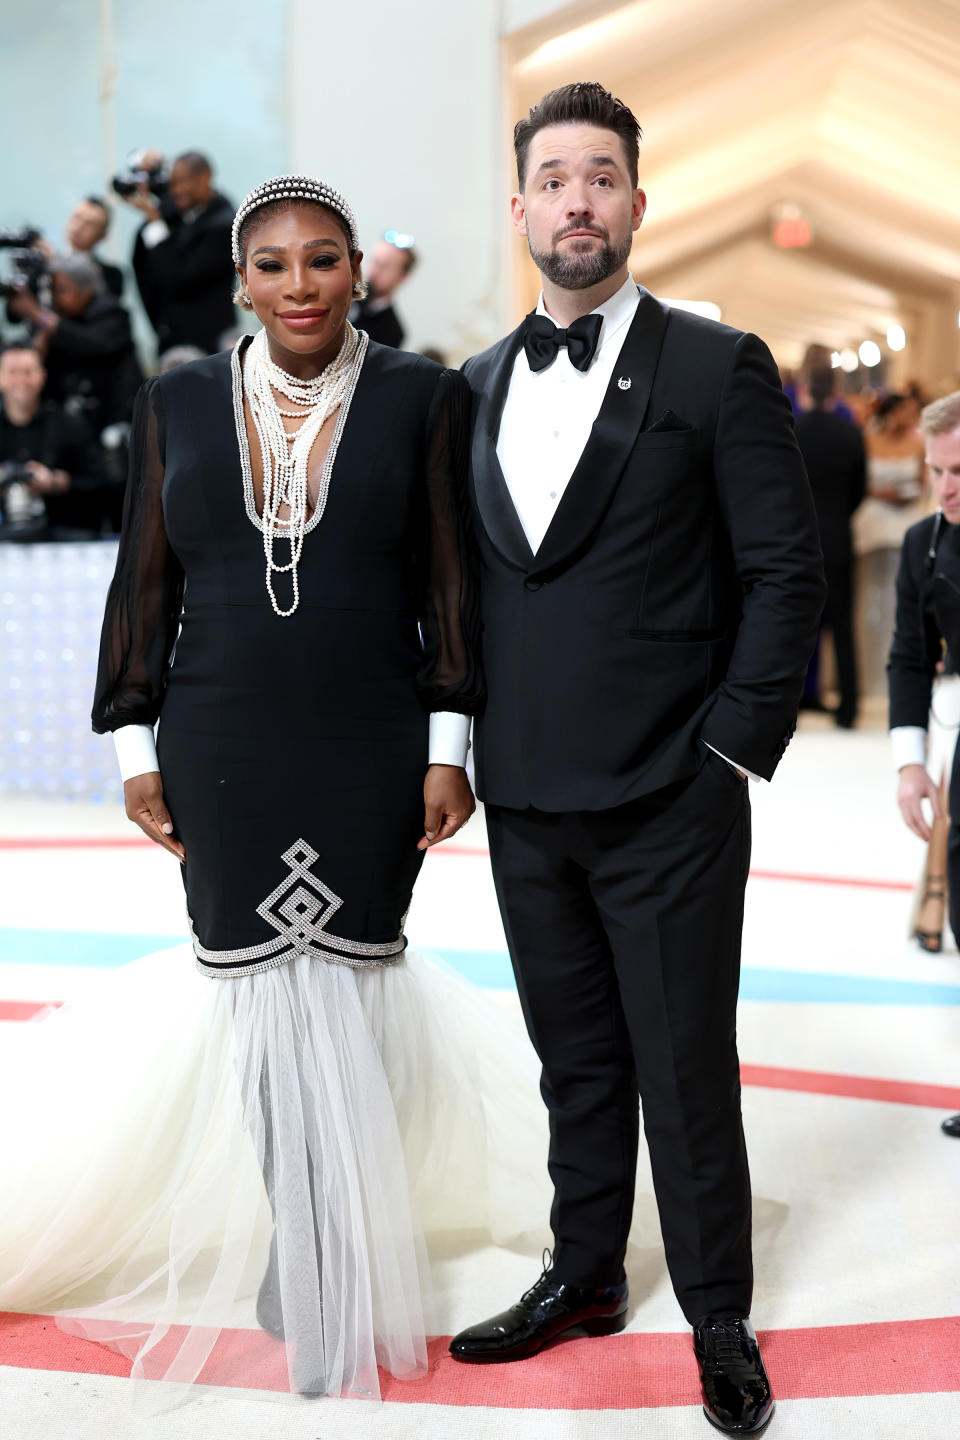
(392, 539)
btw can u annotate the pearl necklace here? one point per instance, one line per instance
(284, 453)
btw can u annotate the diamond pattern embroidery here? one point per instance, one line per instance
(301, 905)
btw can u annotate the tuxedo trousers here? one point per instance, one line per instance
(624, 929)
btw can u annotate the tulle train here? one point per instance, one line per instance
(229, 1181)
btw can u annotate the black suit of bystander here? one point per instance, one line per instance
(832, 449)
(185, 280)
(61, 442)
(92, 366)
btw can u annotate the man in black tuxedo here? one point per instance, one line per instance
(652, 585)
(928, 618)
(832, 449)
(182, 258)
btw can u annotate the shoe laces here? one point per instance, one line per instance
(546, 1260)
(727, 1342)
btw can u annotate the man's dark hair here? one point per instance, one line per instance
(585, 102)
(821, 383)
(196, 161)
(101, 204)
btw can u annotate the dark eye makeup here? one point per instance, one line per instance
(323, 262)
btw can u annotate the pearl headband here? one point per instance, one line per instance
(292, 187)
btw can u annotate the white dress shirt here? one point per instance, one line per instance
(549, 414)
(547, 418)
(909, 745)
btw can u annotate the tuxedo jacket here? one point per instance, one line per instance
(185, 282)
(928, 616)
(676, 595)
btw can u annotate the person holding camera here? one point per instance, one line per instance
(181, 258)
(87, 225)
(87, 343)
(50, 469)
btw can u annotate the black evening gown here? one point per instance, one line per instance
(293, 750)
(268, 1145)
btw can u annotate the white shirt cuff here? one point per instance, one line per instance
(742, 768)
(449, 738)
(136, 750)
(154, 233)
(909, 745)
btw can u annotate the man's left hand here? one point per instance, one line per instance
(448, 803)
(24, 305)
(46, 481)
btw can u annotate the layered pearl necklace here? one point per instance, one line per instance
(285, 453)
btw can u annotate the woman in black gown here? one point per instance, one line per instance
(305, 634)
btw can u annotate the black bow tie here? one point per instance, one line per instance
(542, 339)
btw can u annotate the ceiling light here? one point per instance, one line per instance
(848, 361)
(896, 337)
(870, 354)
(835, 359)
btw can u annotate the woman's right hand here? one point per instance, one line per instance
(143, 798)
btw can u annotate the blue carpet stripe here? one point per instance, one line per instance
(489, 969)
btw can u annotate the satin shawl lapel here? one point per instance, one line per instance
(597, 475)
(494, 505)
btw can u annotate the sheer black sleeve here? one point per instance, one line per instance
(146, 594)
(450, 677)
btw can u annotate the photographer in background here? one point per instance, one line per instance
(390, 264)
(87, 225)
(182, 258)
(51, 472)
(86, 342)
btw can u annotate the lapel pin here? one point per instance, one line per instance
(624, 382)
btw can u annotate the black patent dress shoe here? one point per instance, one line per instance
(951, 1126)
(546, 1310)
(737, 1398)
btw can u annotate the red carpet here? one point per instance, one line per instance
(623, 1372)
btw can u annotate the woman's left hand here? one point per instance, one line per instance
(448, 803)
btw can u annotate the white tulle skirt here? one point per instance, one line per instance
(231, 1181)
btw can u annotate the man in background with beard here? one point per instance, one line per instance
(651, 590)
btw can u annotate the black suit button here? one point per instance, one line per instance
(532, 583)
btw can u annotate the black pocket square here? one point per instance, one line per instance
(669, 421)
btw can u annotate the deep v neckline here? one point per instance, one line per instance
(243, 440)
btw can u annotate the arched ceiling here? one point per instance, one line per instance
(849, 109)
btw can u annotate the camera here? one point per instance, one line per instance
(13, 473)
(126, 182)
(22, 514)
(28, 264)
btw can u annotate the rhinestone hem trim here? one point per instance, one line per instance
(300, 908)
(378, 958)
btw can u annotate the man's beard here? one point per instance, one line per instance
(579, 272)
